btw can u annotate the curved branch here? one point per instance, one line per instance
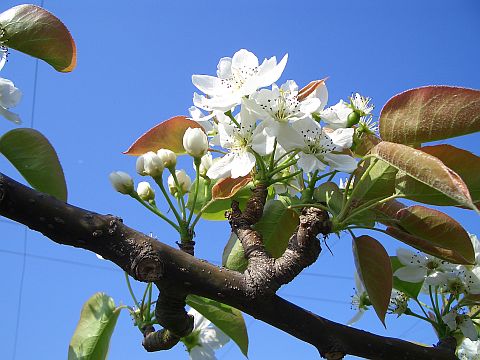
(148, 260)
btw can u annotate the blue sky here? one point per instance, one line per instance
(134, 70)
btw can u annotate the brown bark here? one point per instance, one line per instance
(175, 272)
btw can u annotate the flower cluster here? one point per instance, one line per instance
(253, 122)
(453, 292)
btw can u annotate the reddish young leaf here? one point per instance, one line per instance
(430, 113)
(375, 270)
(36, 32)
(427, 246)
(166, 135)
(426, 169)
(310, 89)
(228, 187)
(437, 228)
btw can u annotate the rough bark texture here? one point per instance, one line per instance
(175, 272)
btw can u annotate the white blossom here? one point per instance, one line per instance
(419, 267)
(240, 141)
(317, 147)
(145, 191)
(204, 339)
(469, 350)
(10, 96)
(122, 182)
(336, 116)
(168, 158)
(360, 300)
(149, 164)
(463, 322)
(205, 163)
(184, 183)
(195, 142)
(237, 77)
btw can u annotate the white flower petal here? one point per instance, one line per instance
(309, 163)
(412, 274)
(409, 258)
(202, 353)
(221, 168)
(467, 327)
(341, 162)
(342, 137)
(209, 85)
(356, 317)
(10, 115)
(270, 71)
(242, 164)
(224, 68)
(244, 58)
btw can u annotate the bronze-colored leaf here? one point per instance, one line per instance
(36, 32)
(228, 187)
(166, 135)
(430, 113)
(426, 246)
(437, 228)
(426, 169)
(375, 270)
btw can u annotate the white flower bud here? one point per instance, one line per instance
(195, 142)
(184, 182)
(205, 163)
(151, 163)
(145, 191)
(168, 158)
(122, 182)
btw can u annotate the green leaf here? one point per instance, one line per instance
(276, 226)
(410, 289)
(464, 163)
(233, 256)
(430, 113)
(36, 32)
(378, 183)
(216, 209)
(329, 194)
(375, 270)
(226, 318)
(437, 228)
(426, 169)
(35, 158)
(426, 246)
(166, 135)
(94, 330)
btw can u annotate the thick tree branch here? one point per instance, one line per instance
(149, 260)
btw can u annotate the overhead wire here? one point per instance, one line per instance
(25, 234)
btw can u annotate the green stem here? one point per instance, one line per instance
(230, 115)
(367, 228)
(274, 181)
(347, 202)
(446, 309)
(411, 313)
(272, 157)
(421, 307)
(130, 290)
(295, 152)
(167, 197)
(434, 304)
(285, 165)
(368, 205)
(180, 195)
(197, 169)
(199, 214)
(154, 210)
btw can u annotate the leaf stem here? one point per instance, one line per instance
(197, 180)
(130, 289)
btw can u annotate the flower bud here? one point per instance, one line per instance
(184, 182)
(149, 164)
(122, 182)
(145, 191)
(205, 163)
(195, 142)
(168, 158)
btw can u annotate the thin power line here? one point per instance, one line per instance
(25, 237)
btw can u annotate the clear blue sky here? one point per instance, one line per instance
(134, 70)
